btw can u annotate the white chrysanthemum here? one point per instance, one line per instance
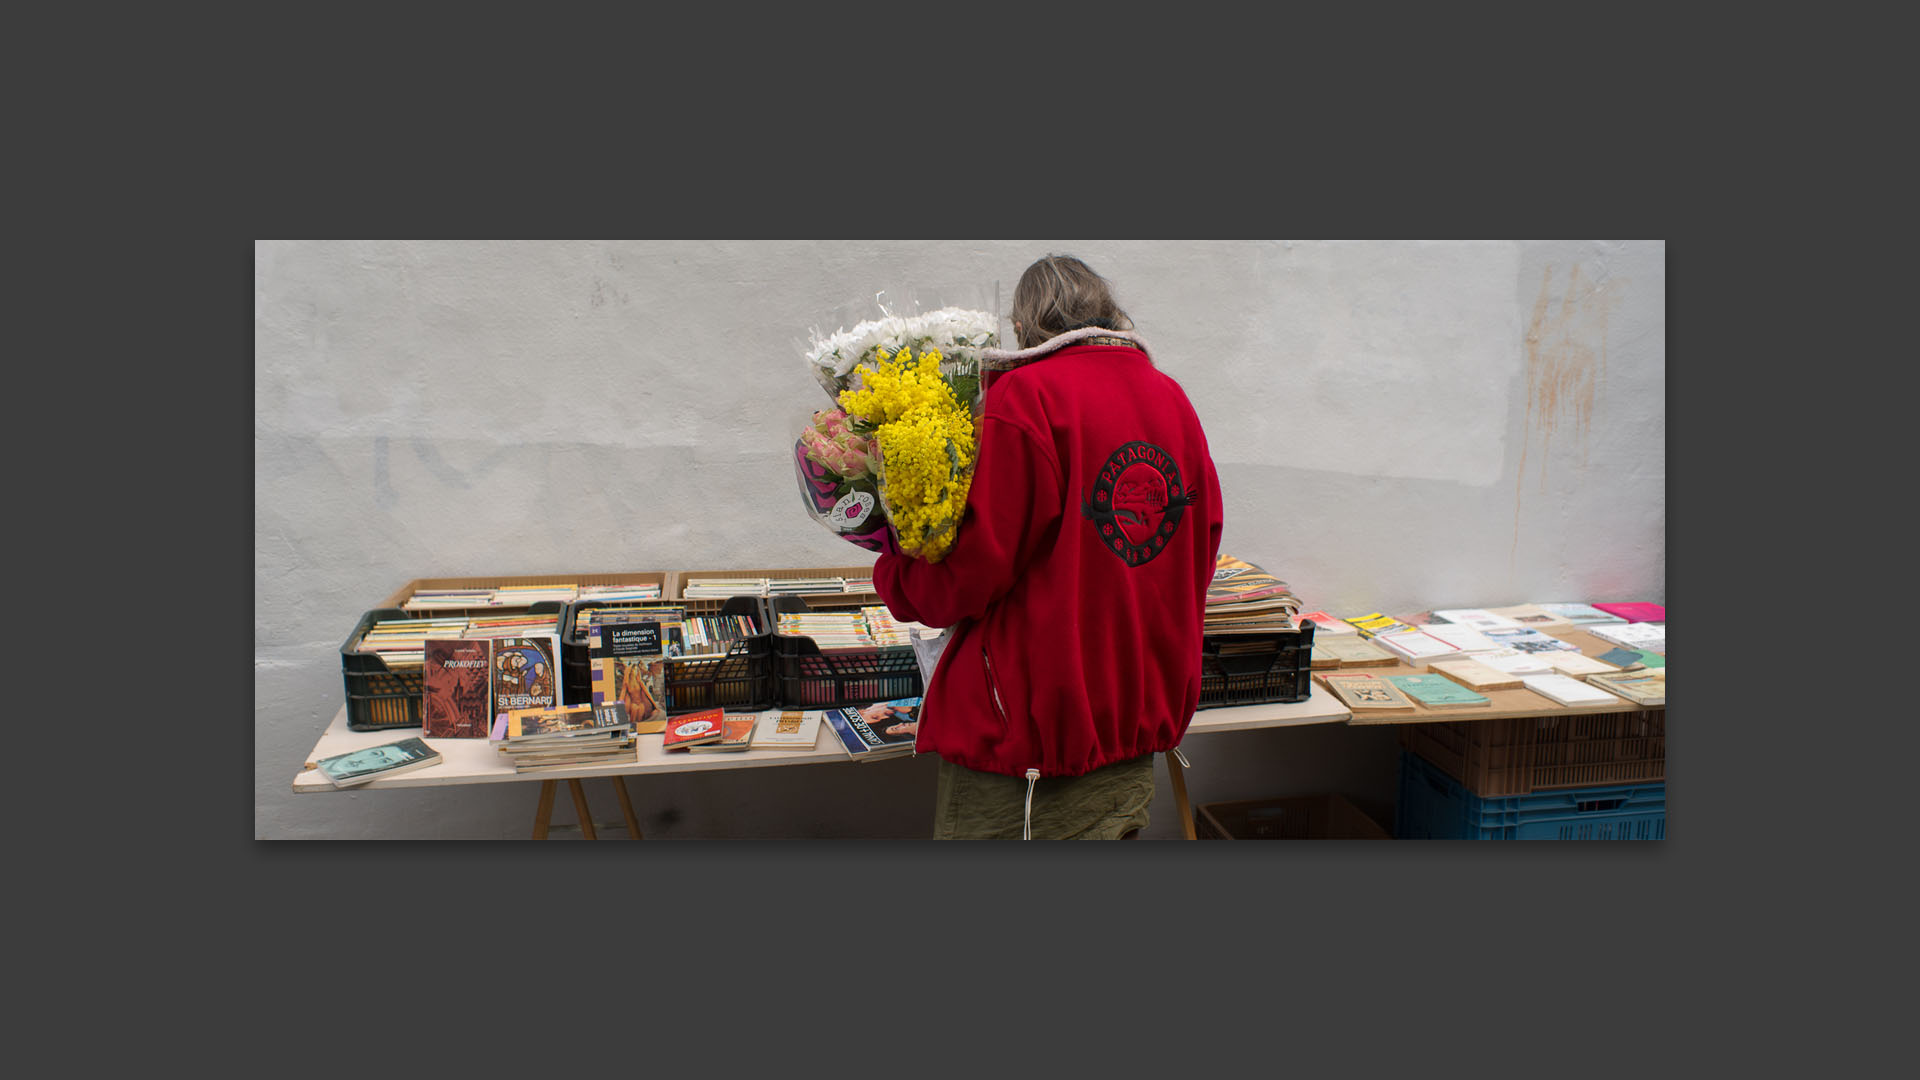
(941, 329)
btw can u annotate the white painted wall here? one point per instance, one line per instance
(1397, 426)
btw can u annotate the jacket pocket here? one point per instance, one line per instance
(993, 688)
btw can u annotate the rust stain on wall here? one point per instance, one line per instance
(1566, 363)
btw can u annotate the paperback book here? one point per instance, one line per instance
(626, 662)
(1636, 611)
(1632, 659)
(1633, 635)
(1438, 692)
(1515, 662)
(694, 729)
(1478, 618)
(1567, 690)
(1366, 692)
(1576, 665)
(1645, 687)
(1374, 624)
(525, 675)
(1528, 615)
(1475, 675)
(1352, 650)
(787, 729)
(1528, 640)
(1581, 614)
(456, 690)
(736, 732)
(1326, 624)
(1416, 647)
(375, 762)
(1464, 638)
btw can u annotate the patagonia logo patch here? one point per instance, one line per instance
(1138, 501)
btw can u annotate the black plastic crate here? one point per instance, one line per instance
(741, 681)
(380, 698)
(809, 678)
(1253, 669)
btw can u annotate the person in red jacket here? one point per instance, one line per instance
(1076, 586)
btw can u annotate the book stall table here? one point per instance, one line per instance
(474, 761)
(1504, 704)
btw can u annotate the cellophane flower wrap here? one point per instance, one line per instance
(894, 459)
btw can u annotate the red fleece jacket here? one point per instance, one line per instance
(1076, 585)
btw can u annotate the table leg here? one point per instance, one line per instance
(543, 813)
(626, 806)
(1177, 773)
(580, 808)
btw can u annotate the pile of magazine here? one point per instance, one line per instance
(885, 729)
(536, 740)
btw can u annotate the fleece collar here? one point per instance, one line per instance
(1004, 359)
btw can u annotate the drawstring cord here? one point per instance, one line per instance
(1026, 825)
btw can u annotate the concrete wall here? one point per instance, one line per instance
(1397, 426)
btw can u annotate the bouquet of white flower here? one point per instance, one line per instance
(908, 385)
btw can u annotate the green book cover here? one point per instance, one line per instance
(1625, 658)
(1437, 691)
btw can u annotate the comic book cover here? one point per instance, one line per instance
(626, 660)
(456, 689)
(525, 674)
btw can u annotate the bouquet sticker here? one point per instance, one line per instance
(895, 459)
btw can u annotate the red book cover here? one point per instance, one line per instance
(694, 728)
(456, 690)
(1638, 611)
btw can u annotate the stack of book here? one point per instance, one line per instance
(617, 593)
(401, 643)
(1243, 598)
(832, 631)
(501, 626)
(503, 596)
(871, 627)
(443, 599)
(662, 611)
(721, 588)
(713, 635)
(805, 586)
(564, 736)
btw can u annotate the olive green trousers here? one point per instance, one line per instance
(1109, 803)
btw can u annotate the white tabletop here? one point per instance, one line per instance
(475, 761)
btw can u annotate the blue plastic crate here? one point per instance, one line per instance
(1432, 804)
